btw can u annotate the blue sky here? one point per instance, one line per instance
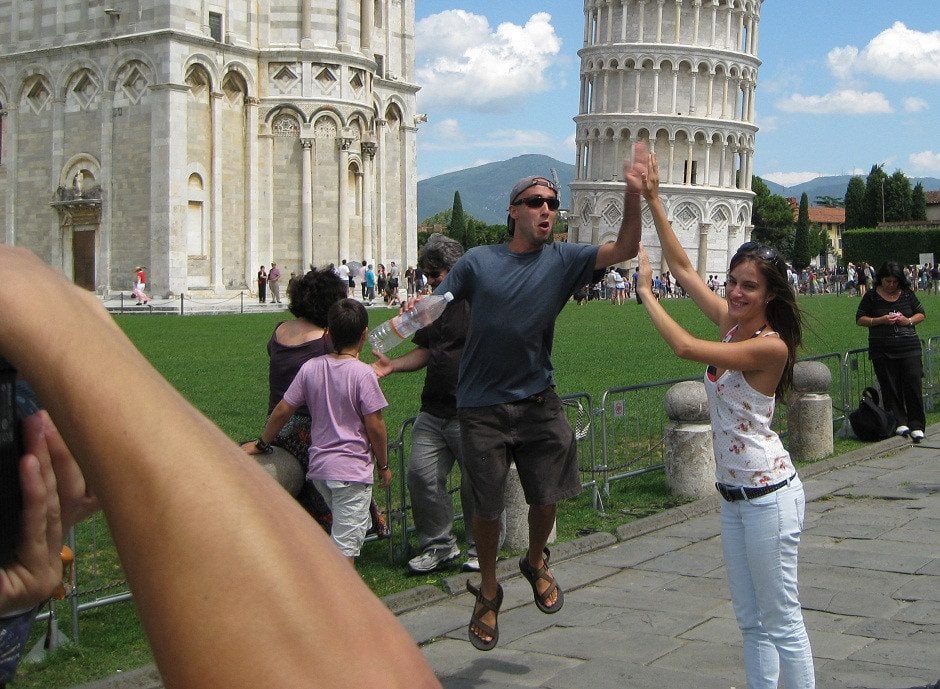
(843, 85)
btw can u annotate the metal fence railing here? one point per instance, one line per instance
(618, 438)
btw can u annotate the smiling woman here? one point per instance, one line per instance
(763, 501)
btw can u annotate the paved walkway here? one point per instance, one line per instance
(650, 607)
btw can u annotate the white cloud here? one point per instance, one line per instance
(463, 61)
(914, 104)
(897, 53)
(842, 102)
(788, 179)
(767, 124)
(925, 161)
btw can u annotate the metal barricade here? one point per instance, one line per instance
(632, 424)
(931, 371)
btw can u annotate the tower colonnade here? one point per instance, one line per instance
(681, 76)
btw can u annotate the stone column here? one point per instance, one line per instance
(103, 267)
(168, 255)
(687, 441)
(409, 164)
(252, 146)
(381, 192)
(342, 25)
(343, 142)
(702, 265)
(366, 22)
(809, 415)
(368, 192)
(306, 33)
(306, 203)
(62, 248)
(8, 121)
(215, 219)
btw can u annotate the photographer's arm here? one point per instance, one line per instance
(203, 535)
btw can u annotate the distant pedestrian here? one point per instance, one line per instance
(140, 284)
(274, 282)
(262, 285)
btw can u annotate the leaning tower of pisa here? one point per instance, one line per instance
(681, 76)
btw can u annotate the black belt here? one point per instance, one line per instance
(732, 493)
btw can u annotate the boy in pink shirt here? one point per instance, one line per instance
(346, 430)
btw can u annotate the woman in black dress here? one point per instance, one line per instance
(890, 311)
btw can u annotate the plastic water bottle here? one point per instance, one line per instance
(396, 330)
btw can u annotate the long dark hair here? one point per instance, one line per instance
(783, 313)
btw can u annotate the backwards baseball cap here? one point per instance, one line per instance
(521, 186)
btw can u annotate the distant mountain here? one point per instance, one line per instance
(484, 190)
(835, 185)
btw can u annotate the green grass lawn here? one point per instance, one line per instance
(220, 364)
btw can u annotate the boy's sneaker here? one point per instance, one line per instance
(471, 565)
(917, 436)
(432, 558)
(902, 430)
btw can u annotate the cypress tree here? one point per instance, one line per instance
(898, 198)
(918, 203)
(875, 210)
(801, 256)
(855, 203)
(457, 227)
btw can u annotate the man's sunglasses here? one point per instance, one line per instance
(537, 201)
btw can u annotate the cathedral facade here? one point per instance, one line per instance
(205, 138)
(679, 75)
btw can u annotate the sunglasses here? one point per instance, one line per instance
(537, 201)
(765, 252)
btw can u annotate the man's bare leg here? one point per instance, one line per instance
(541, 523)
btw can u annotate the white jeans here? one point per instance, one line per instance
(760, 538)
(349, 502)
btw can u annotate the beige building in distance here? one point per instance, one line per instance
(204, 138)
(680, 76)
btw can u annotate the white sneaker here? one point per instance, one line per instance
(471, 565)
(917, 436)
(432, 558)
(902, 430)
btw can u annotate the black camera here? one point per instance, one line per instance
(11, 450)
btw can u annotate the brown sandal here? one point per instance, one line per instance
(533, 575)
(480, 608)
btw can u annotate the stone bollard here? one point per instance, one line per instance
(687, 441)
(284, 468)
(517, 515)
(809, 414)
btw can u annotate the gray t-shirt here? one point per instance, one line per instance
(514, 300)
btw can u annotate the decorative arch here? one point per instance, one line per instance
(242, 70)
(284, 109)
(199, 81)
(327, 111)
(234, 89)
(207, 63)
(36, 93)
(119, 64)
(197, 212)
(131, 82)
(81, 89)
(81, 172)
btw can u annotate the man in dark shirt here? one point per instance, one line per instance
(435, 440)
